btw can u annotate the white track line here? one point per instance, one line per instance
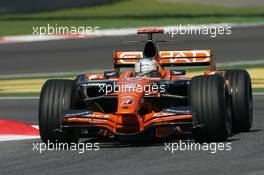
(110, 32)
(50, 74)
(17, 137)
(35, 126)
(19, 98)
(13, 137)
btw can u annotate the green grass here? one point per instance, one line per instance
(131, 13)
(258, 90)
(72, 75)
(224, 66)
(31, 94)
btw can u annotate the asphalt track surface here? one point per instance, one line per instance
(245, 158)
(17, 157)
(78, 55)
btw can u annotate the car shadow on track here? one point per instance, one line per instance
(113, 143)
(250, 131)
(255, 130)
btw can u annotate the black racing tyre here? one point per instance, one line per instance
(239, 84)
(55, 98)
(210, 100)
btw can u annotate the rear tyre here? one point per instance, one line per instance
(55, 98)
(239, 84)
(211, 104)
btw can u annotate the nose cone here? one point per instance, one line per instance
(130, 95)
(128, 103)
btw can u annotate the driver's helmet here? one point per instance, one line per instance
(146, 67)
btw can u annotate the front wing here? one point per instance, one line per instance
(127, 124)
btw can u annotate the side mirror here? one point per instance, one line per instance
(112, 73)
(178, 72)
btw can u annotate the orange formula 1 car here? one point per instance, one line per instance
(142, 97)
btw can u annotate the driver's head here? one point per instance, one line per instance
(145, 66)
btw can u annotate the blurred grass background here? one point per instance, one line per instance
(132, 13)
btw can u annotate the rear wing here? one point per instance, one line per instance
(166, 58)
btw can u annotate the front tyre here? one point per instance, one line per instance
(210, 100)
(55, 98)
